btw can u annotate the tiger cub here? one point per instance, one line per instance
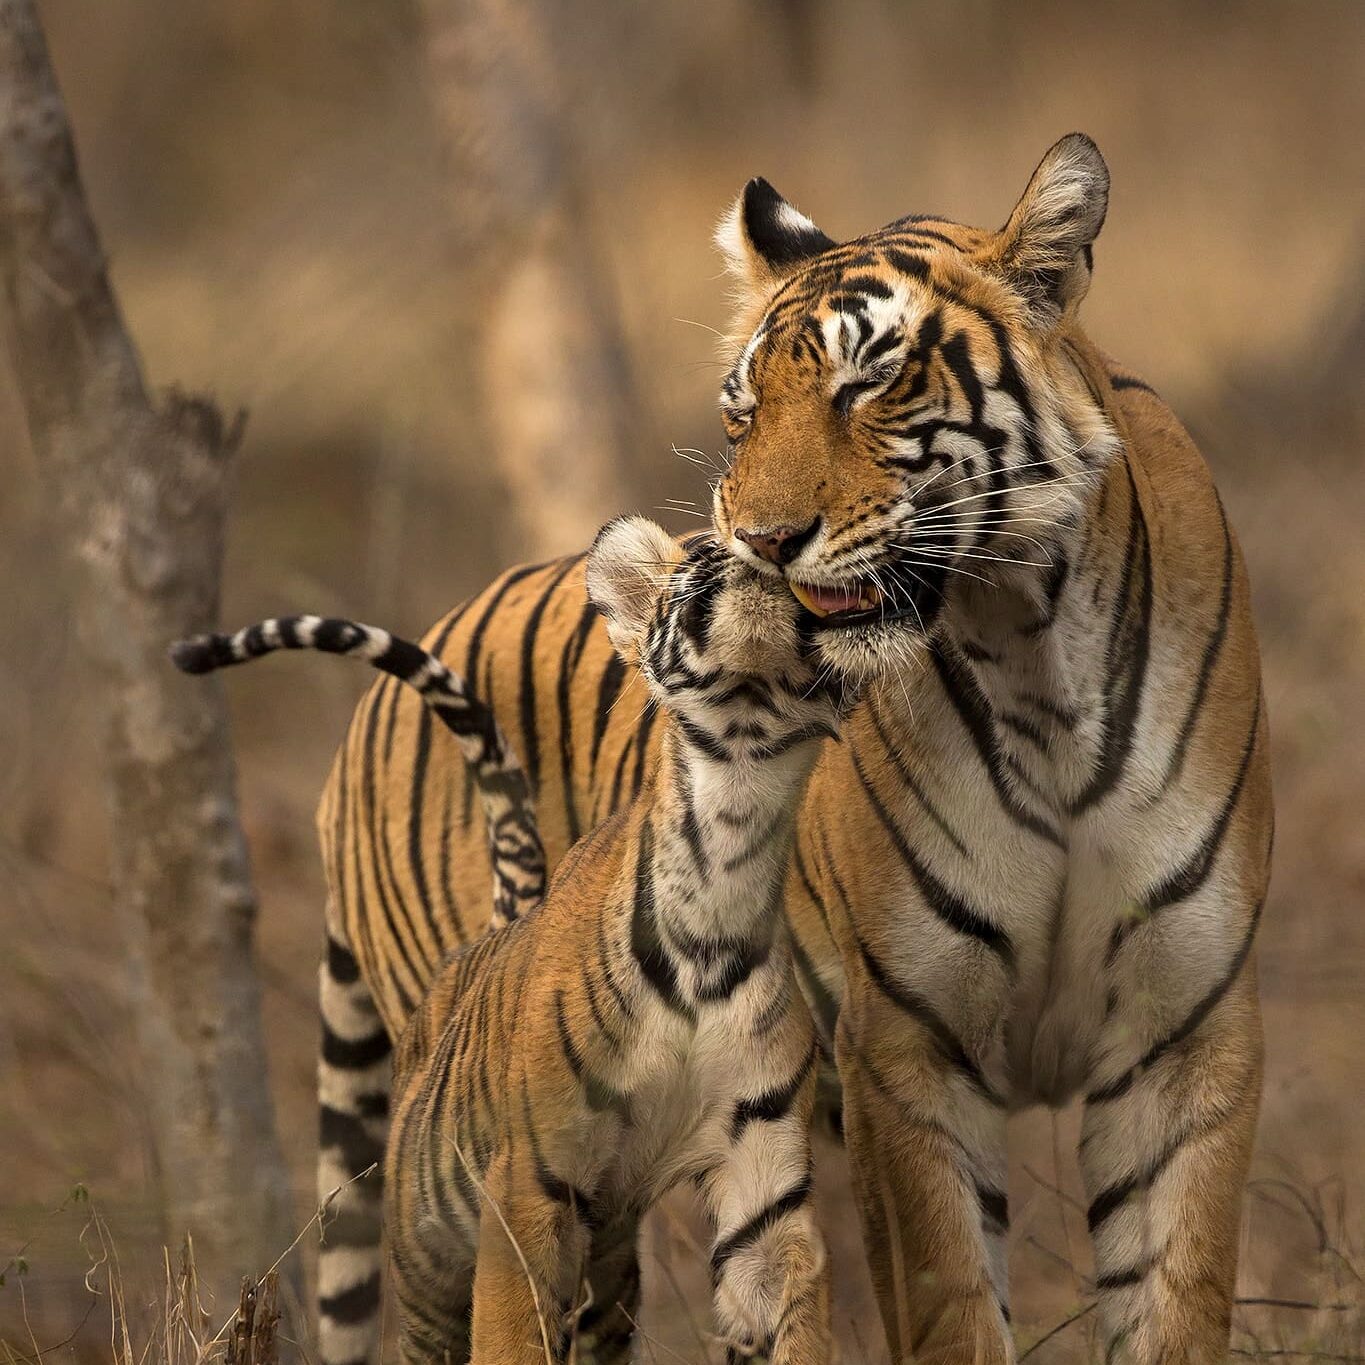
(642, 1027)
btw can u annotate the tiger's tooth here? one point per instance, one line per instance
(806, 599)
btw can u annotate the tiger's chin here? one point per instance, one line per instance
(867, 652)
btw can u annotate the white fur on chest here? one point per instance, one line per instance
(683, 1092)
(1040, 1029)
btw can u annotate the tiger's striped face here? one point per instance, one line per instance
(903, 417)
(727, 650)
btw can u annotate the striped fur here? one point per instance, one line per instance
(353, 1062)
(642, 1028)
(1035, 867)
(515, 850)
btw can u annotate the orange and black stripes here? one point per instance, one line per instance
(1060, 784)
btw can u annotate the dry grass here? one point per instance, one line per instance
(164, 1320)
(166, 1324)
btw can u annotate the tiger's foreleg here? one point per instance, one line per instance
(353, 1117)
(1165, 1148)
(926, 1144)
(768, 1263)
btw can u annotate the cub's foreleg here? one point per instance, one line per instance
(534, 1244)
(768, 1262)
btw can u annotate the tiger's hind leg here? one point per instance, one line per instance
(353, 1118)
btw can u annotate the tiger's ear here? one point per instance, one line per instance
(764, 240)
(1044, 251)
(628, 566)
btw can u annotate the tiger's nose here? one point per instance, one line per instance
(778, 544)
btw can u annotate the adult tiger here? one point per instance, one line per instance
(1036, 867)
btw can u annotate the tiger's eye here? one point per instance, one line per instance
(846, 393)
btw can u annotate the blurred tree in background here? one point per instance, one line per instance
(137, 495)
(539, 322)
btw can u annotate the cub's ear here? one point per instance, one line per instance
(764, 240)
(1044, 251)
(628, 566)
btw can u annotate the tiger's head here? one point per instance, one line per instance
(907, 413)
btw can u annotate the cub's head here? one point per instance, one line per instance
(905, 415)
(712, 637)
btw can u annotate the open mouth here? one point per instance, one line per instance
(846, 606)
(861, 603)
(836, 602)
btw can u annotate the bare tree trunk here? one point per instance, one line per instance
(558, 407)
(138, 493)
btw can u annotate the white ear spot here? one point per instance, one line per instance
(792, 220)
(628, 566)
(729, 239)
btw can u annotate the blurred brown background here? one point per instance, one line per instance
(292, 227)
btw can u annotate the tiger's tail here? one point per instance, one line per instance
(354, 1076)
(516, 852)
(354, 1081)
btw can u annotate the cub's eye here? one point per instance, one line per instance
(737, 421)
